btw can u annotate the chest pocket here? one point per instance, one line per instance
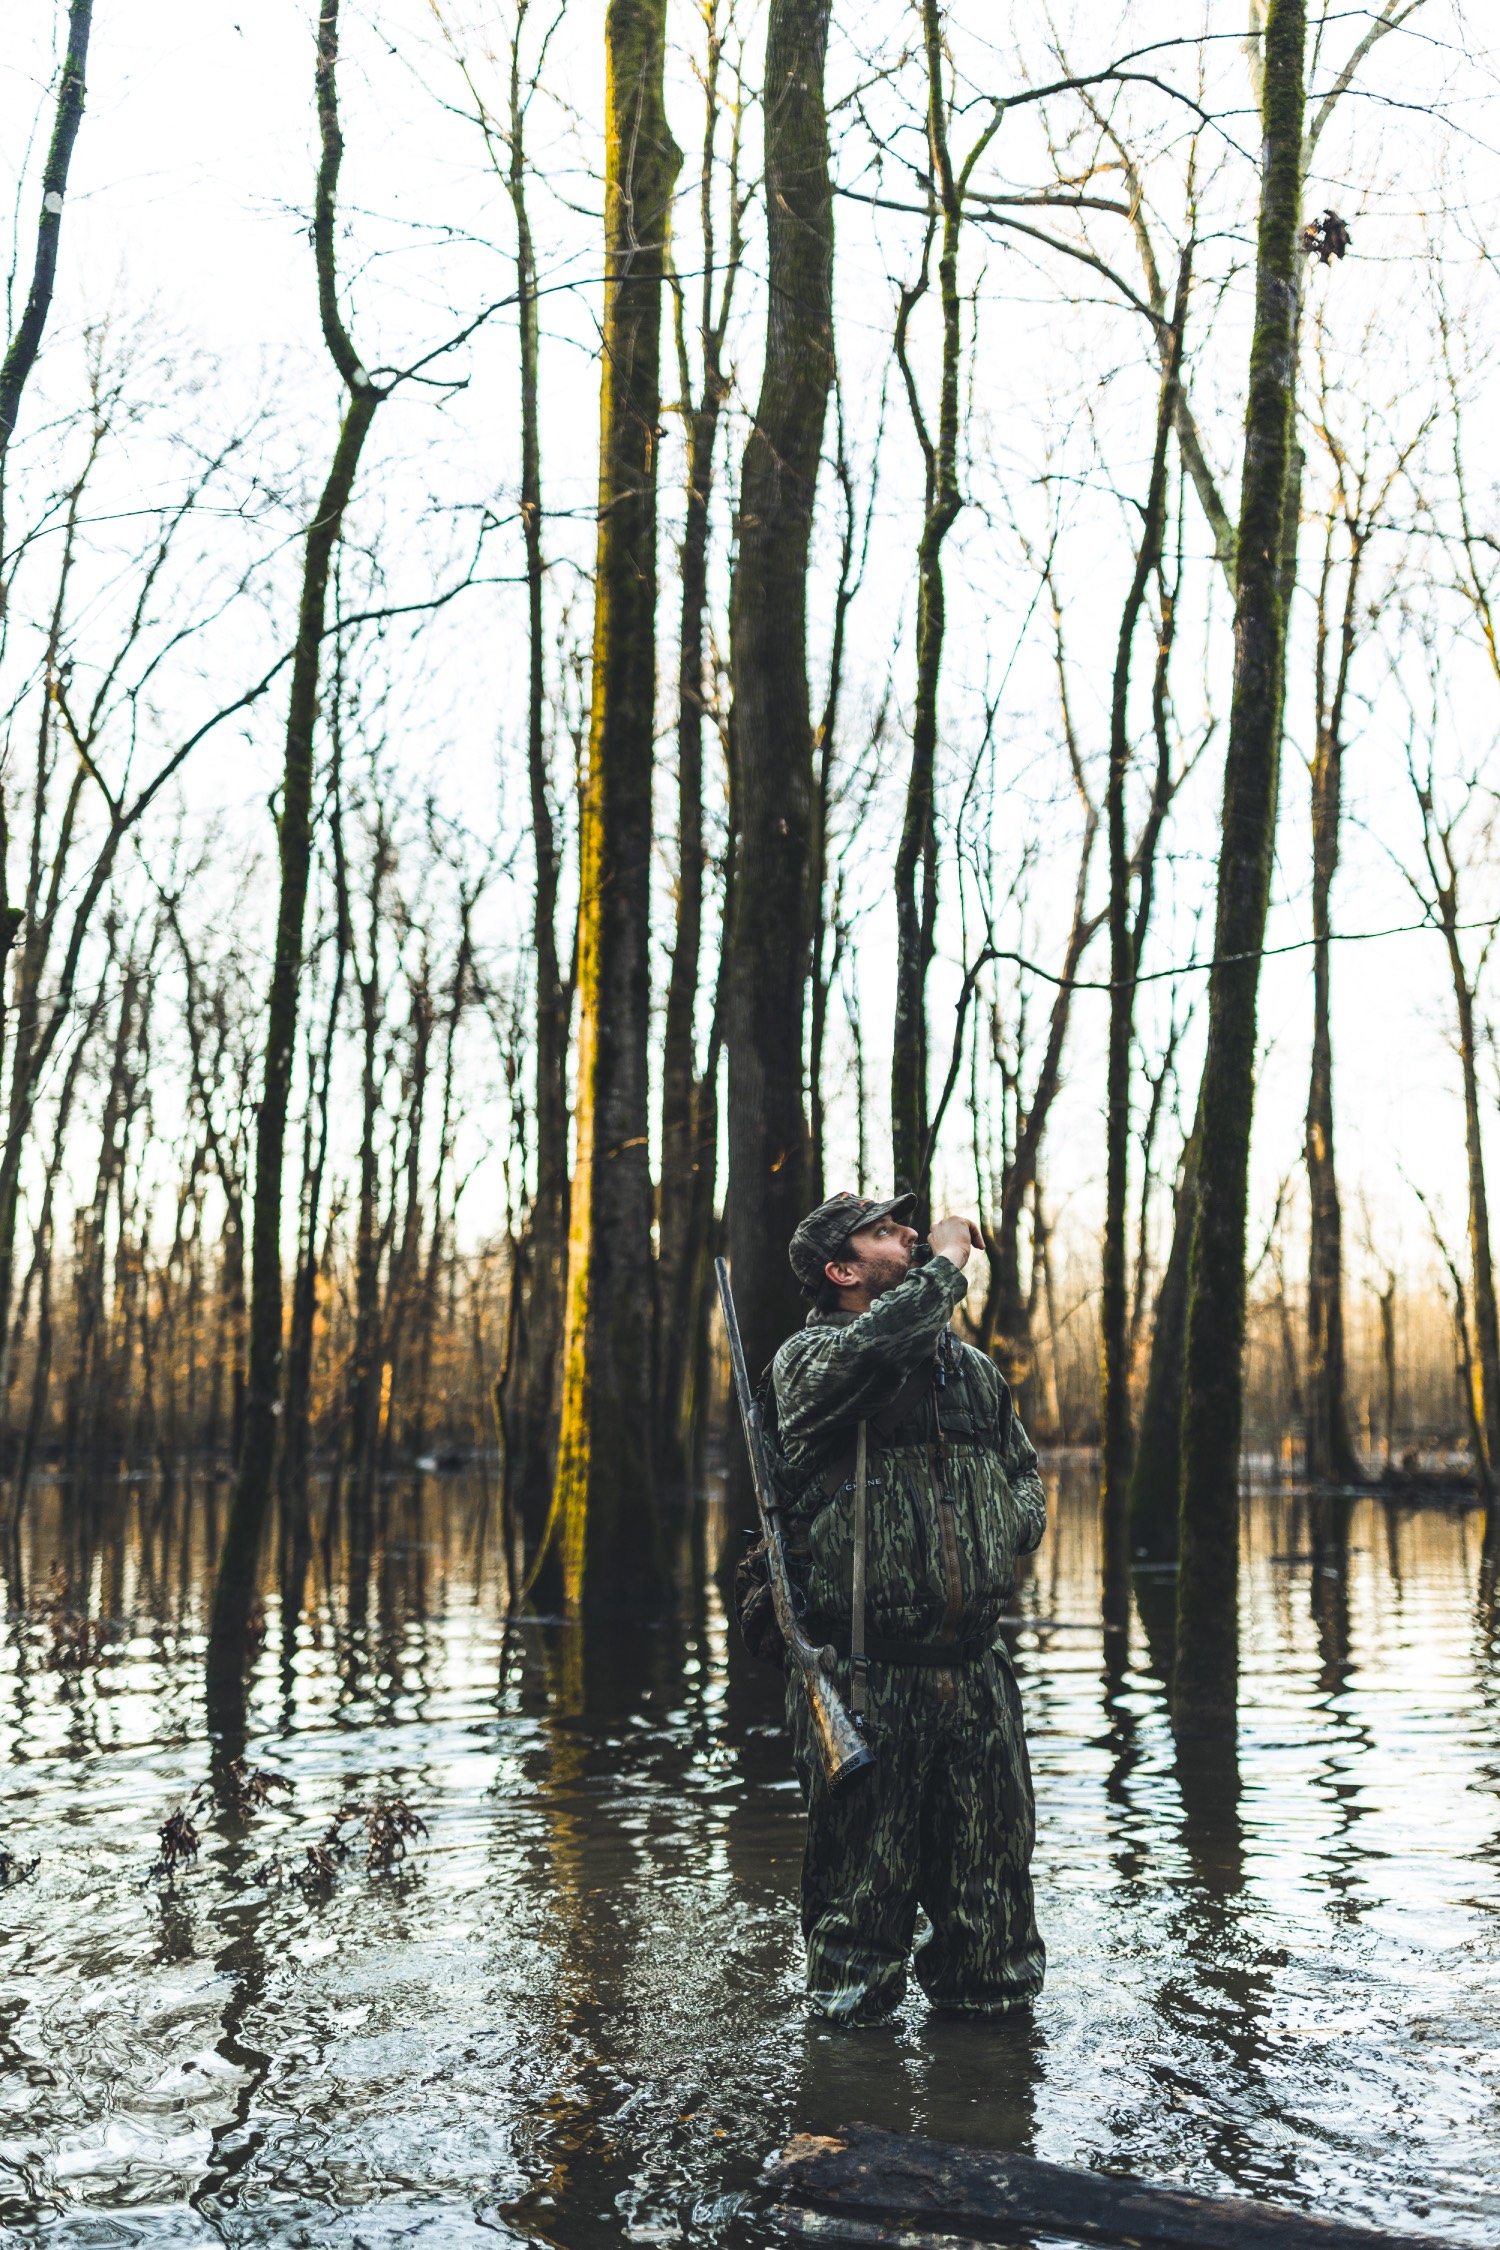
(965, 1410)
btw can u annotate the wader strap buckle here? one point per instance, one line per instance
(857, 1590)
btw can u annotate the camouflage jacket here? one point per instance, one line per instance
(953, 1490)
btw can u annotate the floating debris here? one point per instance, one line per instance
(320, 1870)
(13, 1870)
(245, 1789)
(179, 1841)
(386, 1824)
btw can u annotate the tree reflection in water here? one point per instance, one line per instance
(574, 2015)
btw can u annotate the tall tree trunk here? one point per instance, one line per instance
(1125, 943)
(679, 1045)
(611, 1542)
(771, 777)
(1207, 1669)
(404, 1287)
(418, 1405)
(1482, 1372)
(824, 964)
(916, 856)
(681, 1238)
(534, 1416)
(1330, 1449)
(229, 1646)
(22, 349)
(362, 1406)
(1006, 1323)
(1156, 1475)
(1387, 1303)
(299, 1361)
(1486, 1325)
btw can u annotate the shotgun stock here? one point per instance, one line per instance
(844, 1752)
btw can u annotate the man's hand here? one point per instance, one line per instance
(953, 1239)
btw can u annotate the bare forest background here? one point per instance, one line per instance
(611, 621)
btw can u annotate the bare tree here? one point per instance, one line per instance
(238, 1558)
(1206, 1673)
(689, 1097)
(26, 340)
(916, 857)
(771, 780)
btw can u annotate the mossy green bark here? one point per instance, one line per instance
(604, 1498)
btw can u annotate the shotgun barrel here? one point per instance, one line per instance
(844, 1752)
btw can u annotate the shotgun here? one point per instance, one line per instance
(844, 1752)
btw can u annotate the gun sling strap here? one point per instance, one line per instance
(857, 1603)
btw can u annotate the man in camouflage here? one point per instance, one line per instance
(945, 1821)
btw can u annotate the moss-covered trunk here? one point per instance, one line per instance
(770, 732)
(606, 1504)
(1207, 1670)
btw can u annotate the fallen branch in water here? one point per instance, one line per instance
(864, 2185)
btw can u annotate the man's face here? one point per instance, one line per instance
(879, 1257)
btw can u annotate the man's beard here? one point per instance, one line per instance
(887, 1269)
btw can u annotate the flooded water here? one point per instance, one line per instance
(571, 2015)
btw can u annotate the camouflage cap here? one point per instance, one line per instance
(823, 1233)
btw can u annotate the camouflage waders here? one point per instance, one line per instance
(946, 1821)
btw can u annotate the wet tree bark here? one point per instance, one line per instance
(546, 1253)
(1206, 1676)
(234, 1589)
(1126, 939)
(866, 2185)
(685, 1096)
(1156, 1474)
(916, 856)
(604, 1497)
(1330, 1450)
(771, 780)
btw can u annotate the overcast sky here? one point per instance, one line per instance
(187, 222)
